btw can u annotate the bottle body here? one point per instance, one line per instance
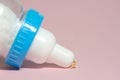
(9, 26)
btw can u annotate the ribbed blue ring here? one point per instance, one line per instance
(24, 38)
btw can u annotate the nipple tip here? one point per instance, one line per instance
(74, 64)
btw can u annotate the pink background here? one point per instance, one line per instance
(90, 28)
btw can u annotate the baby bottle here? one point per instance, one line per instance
(22, 37)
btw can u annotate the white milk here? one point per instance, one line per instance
(7, 28)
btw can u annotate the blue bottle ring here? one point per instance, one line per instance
(24, 38)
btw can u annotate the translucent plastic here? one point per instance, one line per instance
(14, 5)
(11, 13)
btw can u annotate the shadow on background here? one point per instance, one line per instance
(4, 66)
(27, 64)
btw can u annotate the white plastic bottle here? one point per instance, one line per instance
(43, 47)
